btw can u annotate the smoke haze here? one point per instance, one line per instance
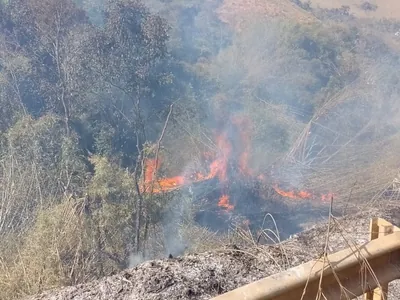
(160, 127)
(321, 97)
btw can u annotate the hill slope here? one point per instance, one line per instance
(201, 276)
(375, 9)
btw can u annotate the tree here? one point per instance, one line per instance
(48, 31)
(40, 166)
(14, 68)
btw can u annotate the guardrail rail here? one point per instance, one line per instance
(359, 270)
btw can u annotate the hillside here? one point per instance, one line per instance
(204, 275)
(374, 9)
(131, 131)
(237, 12)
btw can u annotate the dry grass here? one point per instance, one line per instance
(50, 257)
(384, 8)
(349, 146)
(349, 232)
(243, 260)
(236, 13)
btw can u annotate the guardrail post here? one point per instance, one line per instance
(344, 278)
(379, 227)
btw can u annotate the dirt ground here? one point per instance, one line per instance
(233, 10)
(238, 12)
(382, 8)
(202, 276)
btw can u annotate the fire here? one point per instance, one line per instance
(244, 132)
(224, 202)
(218, 167)
(301, 194)
(327, 197)
(150, 168)
(158, 186)
(293, 194)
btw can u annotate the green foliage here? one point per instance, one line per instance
(104, 140)
(285, 63)
(86, 87)
(110, 183)
(77, 239)
(14, 68)
(111, 206)
(54, 159)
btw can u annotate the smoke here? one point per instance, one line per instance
(94, 10)
(135, 259)
(178, 214)
(322, 100)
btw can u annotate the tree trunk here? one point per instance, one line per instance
(139, 200)
(138, 222)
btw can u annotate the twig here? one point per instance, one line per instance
(154, 176)
(319, 294)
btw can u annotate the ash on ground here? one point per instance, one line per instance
(203, 276)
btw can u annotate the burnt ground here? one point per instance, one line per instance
(202, 276)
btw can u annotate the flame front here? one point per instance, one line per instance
(293, 194)
(224, 202)
(218, 168)
(301, 194)
(161, 185)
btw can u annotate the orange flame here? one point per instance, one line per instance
(292, 194)
(244, 131)
(301, 194)
(224, 202)
(327, 197)
(158, 186)
(150, 168)
(218, 168)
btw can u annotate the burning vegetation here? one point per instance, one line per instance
(86, 86)
(229, 169)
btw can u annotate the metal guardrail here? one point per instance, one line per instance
(347, 274)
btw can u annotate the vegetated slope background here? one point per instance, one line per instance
(92, 91)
